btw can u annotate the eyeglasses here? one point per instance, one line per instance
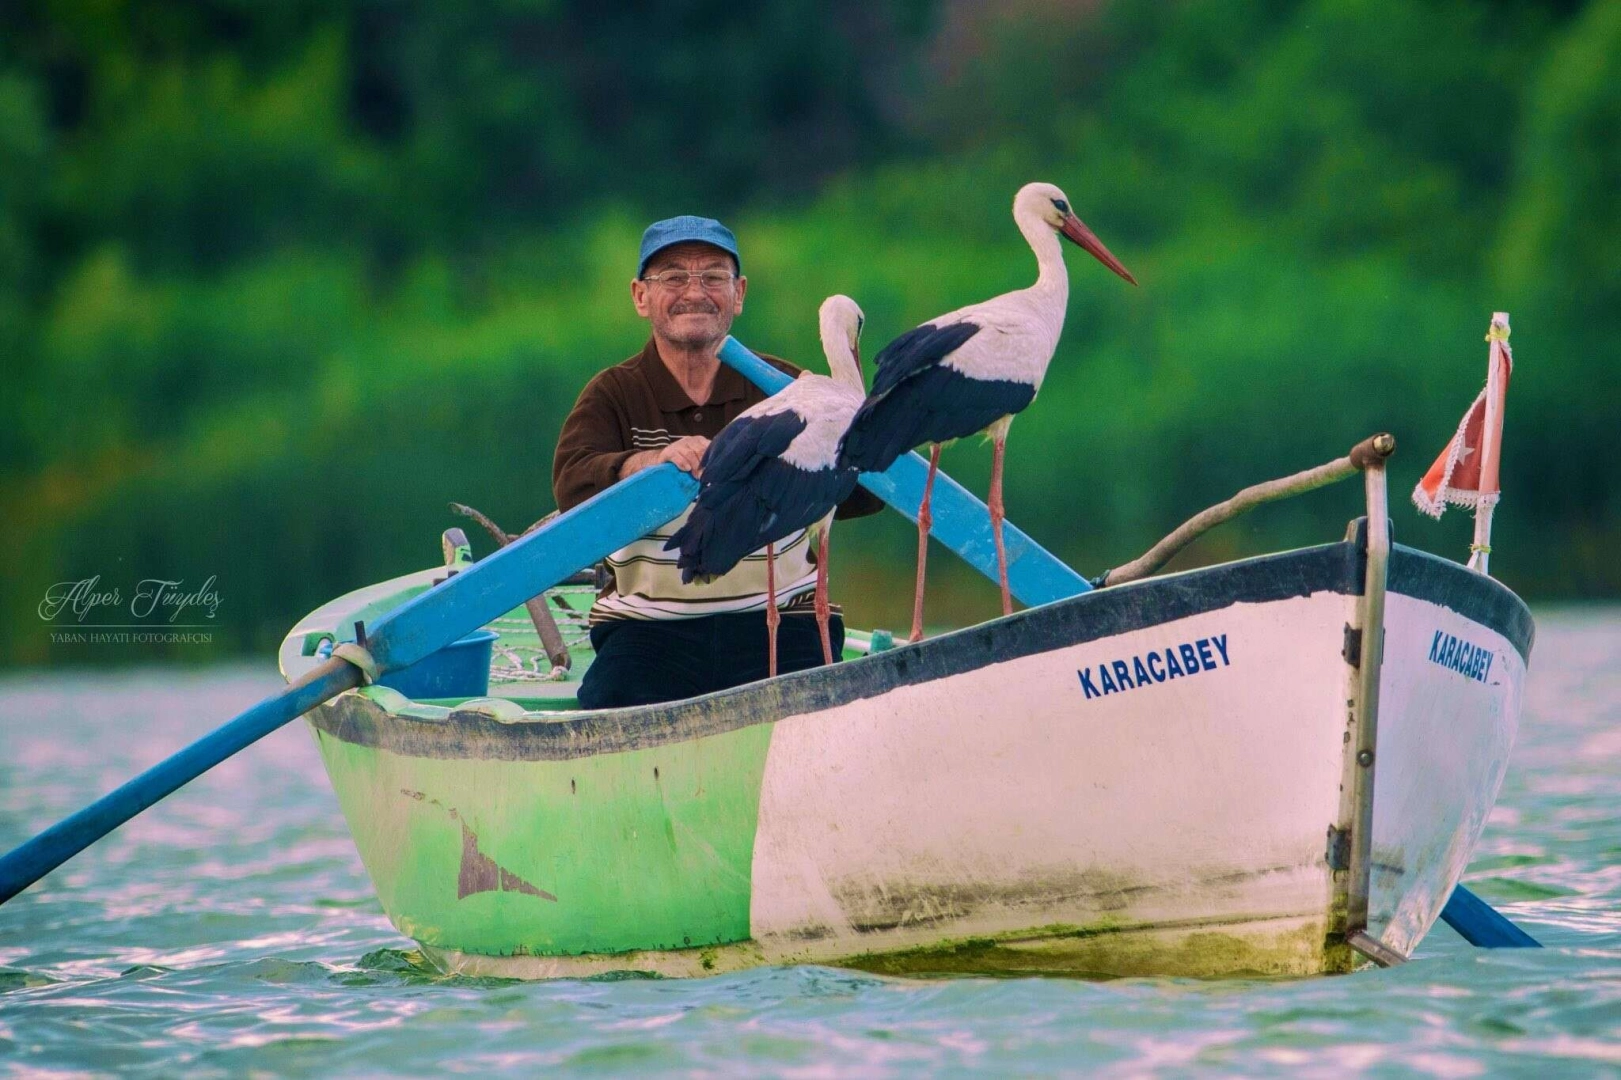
(678, 280)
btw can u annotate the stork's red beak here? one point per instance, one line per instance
(1076, 230)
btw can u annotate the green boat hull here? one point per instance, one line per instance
(651, 847)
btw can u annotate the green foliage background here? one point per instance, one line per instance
(277, 281)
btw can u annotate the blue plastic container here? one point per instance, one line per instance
(459, 670)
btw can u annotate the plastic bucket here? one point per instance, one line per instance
(459, 670)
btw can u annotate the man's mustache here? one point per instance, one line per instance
(694, 309)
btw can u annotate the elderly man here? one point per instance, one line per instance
(655, 638)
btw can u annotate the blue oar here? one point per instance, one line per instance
(426, 624)
(961, 522)
(1482, 925)
(1036, 576)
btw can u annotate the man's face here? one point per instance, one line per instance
(694, 315)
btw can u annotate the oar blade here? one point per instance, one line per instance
(35, 858)
(1482, 925)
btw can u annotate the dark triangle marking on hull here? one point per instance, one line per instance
(479, 873)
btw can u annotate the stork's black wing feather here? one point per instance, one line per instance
(918, 350)
(748, 497)
(916, 399)
(746, 441)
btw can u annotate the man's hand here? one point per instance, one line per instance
(686, 454)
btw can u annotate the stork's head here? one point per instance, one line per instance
(840, 320)
(1046, 203)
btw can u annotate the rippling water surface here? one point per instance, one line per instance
(232, 931)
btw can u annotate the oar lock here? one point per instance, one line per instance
(356, 653)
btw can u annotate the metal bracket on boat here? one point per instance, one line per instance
(1338, 852)
(1369, 456)
(1375, 950)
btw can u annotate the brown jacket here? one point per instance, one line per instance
(638, 405)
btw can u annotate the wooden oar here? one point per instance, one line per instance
(1036, 576)
(455, 607)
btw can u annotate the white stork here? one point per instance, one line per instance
(972, 370)
(774, 470)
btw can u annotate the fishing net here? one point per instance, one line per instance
(518, 656)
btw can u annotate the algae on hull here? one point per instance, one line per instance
(1107, 950)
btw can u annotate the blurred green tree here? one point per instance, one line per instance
(278, 281)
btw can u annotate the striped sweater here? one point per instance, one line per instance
(638, 405)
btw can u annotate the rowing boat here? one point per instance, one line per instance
(1170, 776)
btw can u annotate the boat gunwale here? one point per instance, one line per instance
(467, 733)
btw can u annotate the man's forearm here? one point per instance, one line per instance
(637, 462)
(581, 475)
(686, 454)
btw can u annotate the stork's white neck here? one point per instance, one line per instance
(1052, 281)
(841, 361)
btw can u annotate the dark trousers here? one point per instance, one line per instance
(643, 662)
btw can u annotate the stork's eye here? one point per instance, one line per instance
(1063, 207)
(860, 322)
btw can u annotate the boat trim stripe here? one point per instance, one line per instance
(1079, 619)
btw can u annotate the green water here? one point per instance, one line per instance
(232, 931)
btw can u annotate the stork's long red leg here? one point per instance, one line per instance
(824, 610)
(772, 618)
(924, 520)
(1000, 447)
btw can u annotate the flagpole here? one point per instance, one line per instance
(1491, 439)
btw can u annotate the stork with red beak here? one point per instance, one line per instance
(972, 370)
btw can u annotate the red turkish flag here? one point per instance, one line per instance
(1456, 475)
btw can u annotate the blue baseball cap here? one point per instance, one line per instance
(681, 230)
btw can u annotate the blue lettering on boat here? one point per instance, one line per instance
(1190, 659)
(1156, 666)
(1465, 657)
